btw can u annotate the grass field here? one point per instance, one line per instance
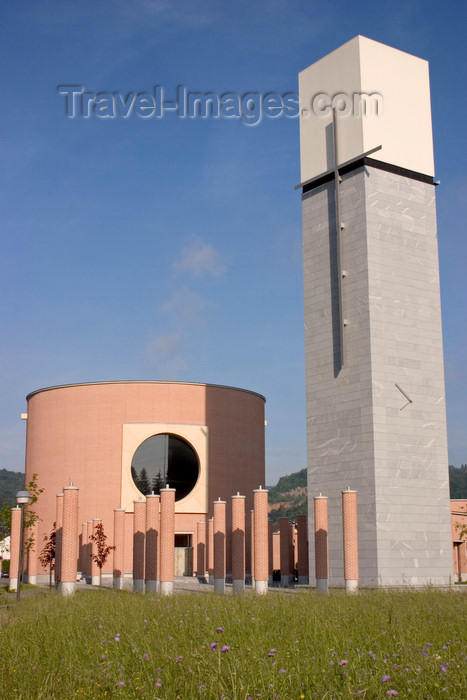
(280, 647)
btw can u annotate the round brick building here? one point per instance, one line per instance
(120, 441)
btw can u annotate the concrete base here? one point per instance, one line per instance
(219, 585)
(66, 587)
(31, 579)
(152, 586)
(261, 587)
(351, 586)
(138, 585)
(166, 587)
(118, 583)
(285, 581)
(322, 585)
(211, 579)
(95, 580)
(13, 585)
(238, 585)
(303, 580)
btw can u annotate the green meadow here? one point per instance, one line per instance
(283, 646)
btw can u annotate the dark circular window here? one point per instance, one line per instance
(165, 459)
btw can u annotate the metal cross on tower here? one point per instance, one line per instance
(339, 225)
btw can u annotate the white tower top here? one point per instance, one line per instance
(382, 98)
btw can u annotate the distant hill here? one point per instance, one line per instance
(288, 498)
(10, 484)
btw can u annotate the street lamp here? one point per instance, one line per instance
(22, 498)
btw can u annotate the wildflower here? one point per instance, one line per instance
(103, 657)
(213, 646)
(158, 684)
(145, 656)
(384, 679)
(225, 648)
(179, 658)
(170, 638)
(392, 692)
(271, 652)
(121, 683)
(219, 629)
(282, 670)
(117, 639)
(343, 662)
(443, 668)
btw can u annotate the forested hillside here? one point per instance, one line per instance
(10, 484)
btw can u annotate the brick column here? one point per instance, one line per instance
(292, 551)
(95, 573)
(84, 550)
(350, 529)
(69, 558)
(261, 540)
(238, 543)
(321, 543)
(152, 542)
(285, 551)
(302, 534)
(201, 549)
(167, 535)
(15, 546)
(270, 551)
(32, 554)
(58, 536)
(89, 552)
(252, 547)
(219, 546)
(211, 550)
(119, 551)
(139, 533)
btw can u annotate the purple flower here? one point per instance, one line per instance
(392, 692)
(271, 652)
(219, 629)
(121, 683)
(213, 646)
(225, 648)
(443, 668)
(282, 670)
(158, 684)
(385, 678)
(343, 662)
(145, 656)
(117, 639)
(179, 658)
(102, 657)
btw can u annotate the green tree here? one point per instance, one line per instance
(157, 483)
(143, 482)
(30, 517)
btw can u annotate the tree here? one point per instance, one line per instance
(103, 549)
(158, 483)
(29, 516)
(47, 556)
(143, 482)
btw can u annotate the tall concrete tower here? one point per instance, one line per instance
(374, 358)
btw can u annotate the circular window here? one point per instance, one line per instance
(165, 459)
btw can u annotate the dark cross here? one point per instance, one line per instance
(335, 170)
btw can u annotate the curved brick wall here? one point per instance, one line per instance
(76, 433)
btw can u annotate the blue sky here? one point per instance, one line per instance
(171, 248)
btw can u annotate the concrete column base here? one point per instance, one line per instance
(32, 580)
(167, 587)
(152, 586)
(303, 580)
(271, 580)
(351, 585)
(118, 583)
(219, 585)
(13, 585)
(285, 581)
(261, 587)
(238, 585)
(138, 585)
(321, 585)
(95, 580)
(66, 587)
(211, 579)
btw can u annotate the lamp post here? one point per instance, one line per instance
(22, 498)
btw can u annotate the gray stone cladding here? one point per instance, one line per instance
(359, 433)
